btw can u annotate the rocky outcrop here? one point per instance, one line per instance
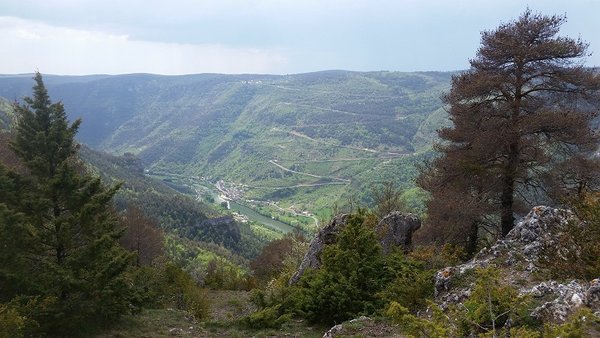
(364, 327)
(564, 299)
(325, 236)
(394, 231)
(518, 256)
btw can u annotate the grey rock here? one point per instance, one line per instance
(593, 294)
(519, 251)
(519, 255)
(331, 333)
(396, 230)
(565, 299)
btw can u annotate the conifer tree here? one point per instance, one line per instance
(520, 123)
(72, 236)
(350, 278)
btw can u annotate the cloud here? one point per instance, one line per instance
(262, 36)
(31, 45)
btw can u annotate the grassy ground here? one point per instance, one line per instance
(226, 308)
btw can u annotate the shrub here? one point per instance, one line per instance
(582, 323)
(438, 326)
(167, 285)
(268, 318)
(21, 316)
(411, 285)
(491, 304)
(351, 276)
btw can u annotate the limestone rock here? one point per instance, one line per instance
(565, 299)
(325, 236)
(592, 294)
(334, 331)
(362, 321)
(396, 230)
(518, 256)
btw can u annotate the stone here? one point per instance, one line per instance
(518, 255)
(592, 294)
(337, 329)
(331, 333)
(396, 230)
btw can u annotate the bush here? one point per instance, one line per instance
(350, 278)
(167, 285)
(267, 318)
(411, 285)
(184, 293)
(583, 323)
(491, 304)
(12, 323)
(438, 257)
(438, 326)
(21, 316)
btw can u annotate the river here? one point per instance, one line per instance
(262, 219)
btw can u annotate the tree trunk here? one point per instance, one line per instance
(471, 246)
(507, 219)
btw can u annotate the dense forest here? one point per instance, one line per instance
(502, 240)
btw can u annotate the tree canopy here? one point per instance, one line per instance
(57, 225)
(521, 130)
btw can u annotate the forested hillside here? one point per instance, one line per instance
(303, 139)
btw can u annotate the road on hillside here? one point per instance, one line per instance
(307, 174)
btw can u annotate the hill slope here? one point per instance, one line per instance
(304, 140)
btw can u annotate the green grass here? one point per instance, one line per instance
(156, 323)
(227, 307)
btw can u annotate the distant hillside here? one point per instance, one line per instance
(176, 213)
(305, 140)
(6, 114)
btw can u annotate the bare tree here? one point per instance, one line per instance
(142, 236)
(386, 198)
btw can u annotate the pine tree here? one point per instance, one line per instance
(350, 278)
(520, 123)
(72, 246)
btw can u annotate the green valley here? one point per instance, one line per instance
(295, 146)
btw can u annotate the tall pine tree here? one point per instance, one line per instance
(520, 131)
(64, 219)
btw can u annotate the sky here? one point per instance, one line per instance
(76, 37)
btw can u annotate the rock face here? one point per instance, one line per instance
(394, 230)
(518, 256)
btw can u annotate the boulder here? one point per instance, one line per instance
(396, 230)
